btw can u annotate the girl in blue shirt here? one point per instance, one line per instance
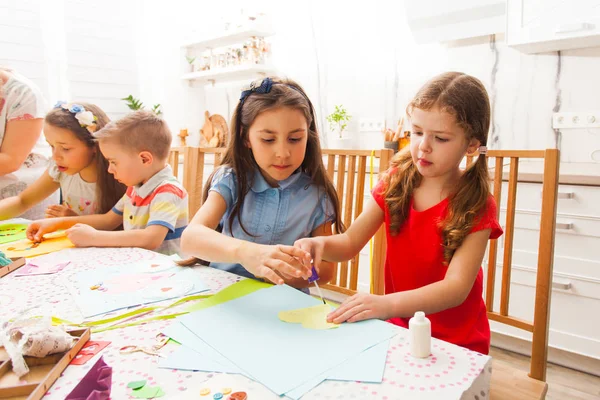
(271, 190)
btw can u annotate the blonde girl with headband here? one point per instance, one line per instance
(438, 219)
(271, 189)
(77, 167)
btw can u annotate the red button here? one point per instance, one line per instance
(238, 396)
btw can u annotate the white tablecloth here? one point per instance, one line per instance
(451, 372)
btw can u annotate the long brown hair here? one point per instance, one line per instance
(108, 190)
(465, 98)
(238, 156)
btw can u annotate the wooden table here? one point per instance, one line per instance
(450, 373)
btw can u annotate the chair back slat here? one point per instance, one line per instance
(493, 249)
(509, 235)
(330, 166)
(348, 203)
(195, 161)
(173, 160)
(340, 180)
(360, 186)
(543, 290)
(380, 240)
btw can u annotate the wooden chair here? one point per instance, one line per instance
(197, 162)
(348, 170)
(507, 382)
(173, 159)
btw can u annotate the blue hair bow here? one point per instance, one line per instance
(263, 87)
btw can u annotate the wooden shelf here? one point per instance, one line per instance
(227, 38)
(239, 72)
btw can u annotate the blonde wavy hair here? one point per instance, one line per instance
(465, 98)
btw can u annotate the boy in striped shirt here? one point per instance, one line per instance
(153, 211)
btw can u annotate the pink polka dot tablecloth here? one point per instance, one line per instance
(451, 372)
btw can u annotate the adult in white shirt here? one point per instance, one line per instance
(23, 152)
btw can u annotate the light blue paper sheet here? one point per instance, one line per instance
(132, 285)
(204, 358)
(195, 355)
(280, 355)
(367, 366)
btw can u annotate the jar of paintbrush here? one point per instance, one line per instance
(396, 140)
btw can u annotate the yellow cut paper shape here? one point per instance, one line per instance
(25, 248)
(310, 317)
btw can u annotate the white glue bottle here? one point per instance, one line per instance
(419, 327)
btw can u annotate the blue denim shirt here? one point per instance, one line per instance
(278, 215)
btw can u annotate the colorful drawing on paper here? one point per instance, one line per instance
(12, 232)
(27, 248)
(33, 267)
(310, 317)
(108, 289)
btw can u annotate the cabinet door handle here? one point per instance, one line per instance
(564, 225)
(562, 195)
(574, 27)
(561, 285)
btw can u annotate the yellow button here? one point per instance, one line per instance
(204, 392)
(226, 390)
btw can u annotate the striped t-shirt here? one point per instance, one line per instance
(162, 200)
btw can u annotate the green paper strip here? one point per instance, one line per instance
(238, 289)
(60, 321)
(140, 322)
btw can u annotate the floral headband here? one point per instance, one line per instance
(85, 118)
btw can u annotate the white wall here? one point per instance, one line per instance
(74, 50)
(362, 54)
(358, 54)
(21, 43)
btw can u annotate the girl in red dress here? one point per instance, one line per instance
(438, 219)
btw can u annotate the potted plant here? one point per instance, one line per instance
(338, 120)
(190, 61)
(136, 104)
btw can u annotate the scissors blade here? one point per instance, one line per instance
(320, 293)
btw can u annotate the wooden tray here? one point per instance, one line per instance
(43, 372)
(17, 263)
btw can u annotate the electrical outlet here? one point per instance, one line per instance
(371, 124)
(574, 120)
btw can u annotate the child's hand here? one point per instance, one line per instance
(81, 235)
(313, 246)
(59, 210)
(361, 306)
(274, 262)
(37, 229)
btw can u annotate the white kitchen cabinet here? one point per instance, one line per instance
(537, 26)
(576, 276)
